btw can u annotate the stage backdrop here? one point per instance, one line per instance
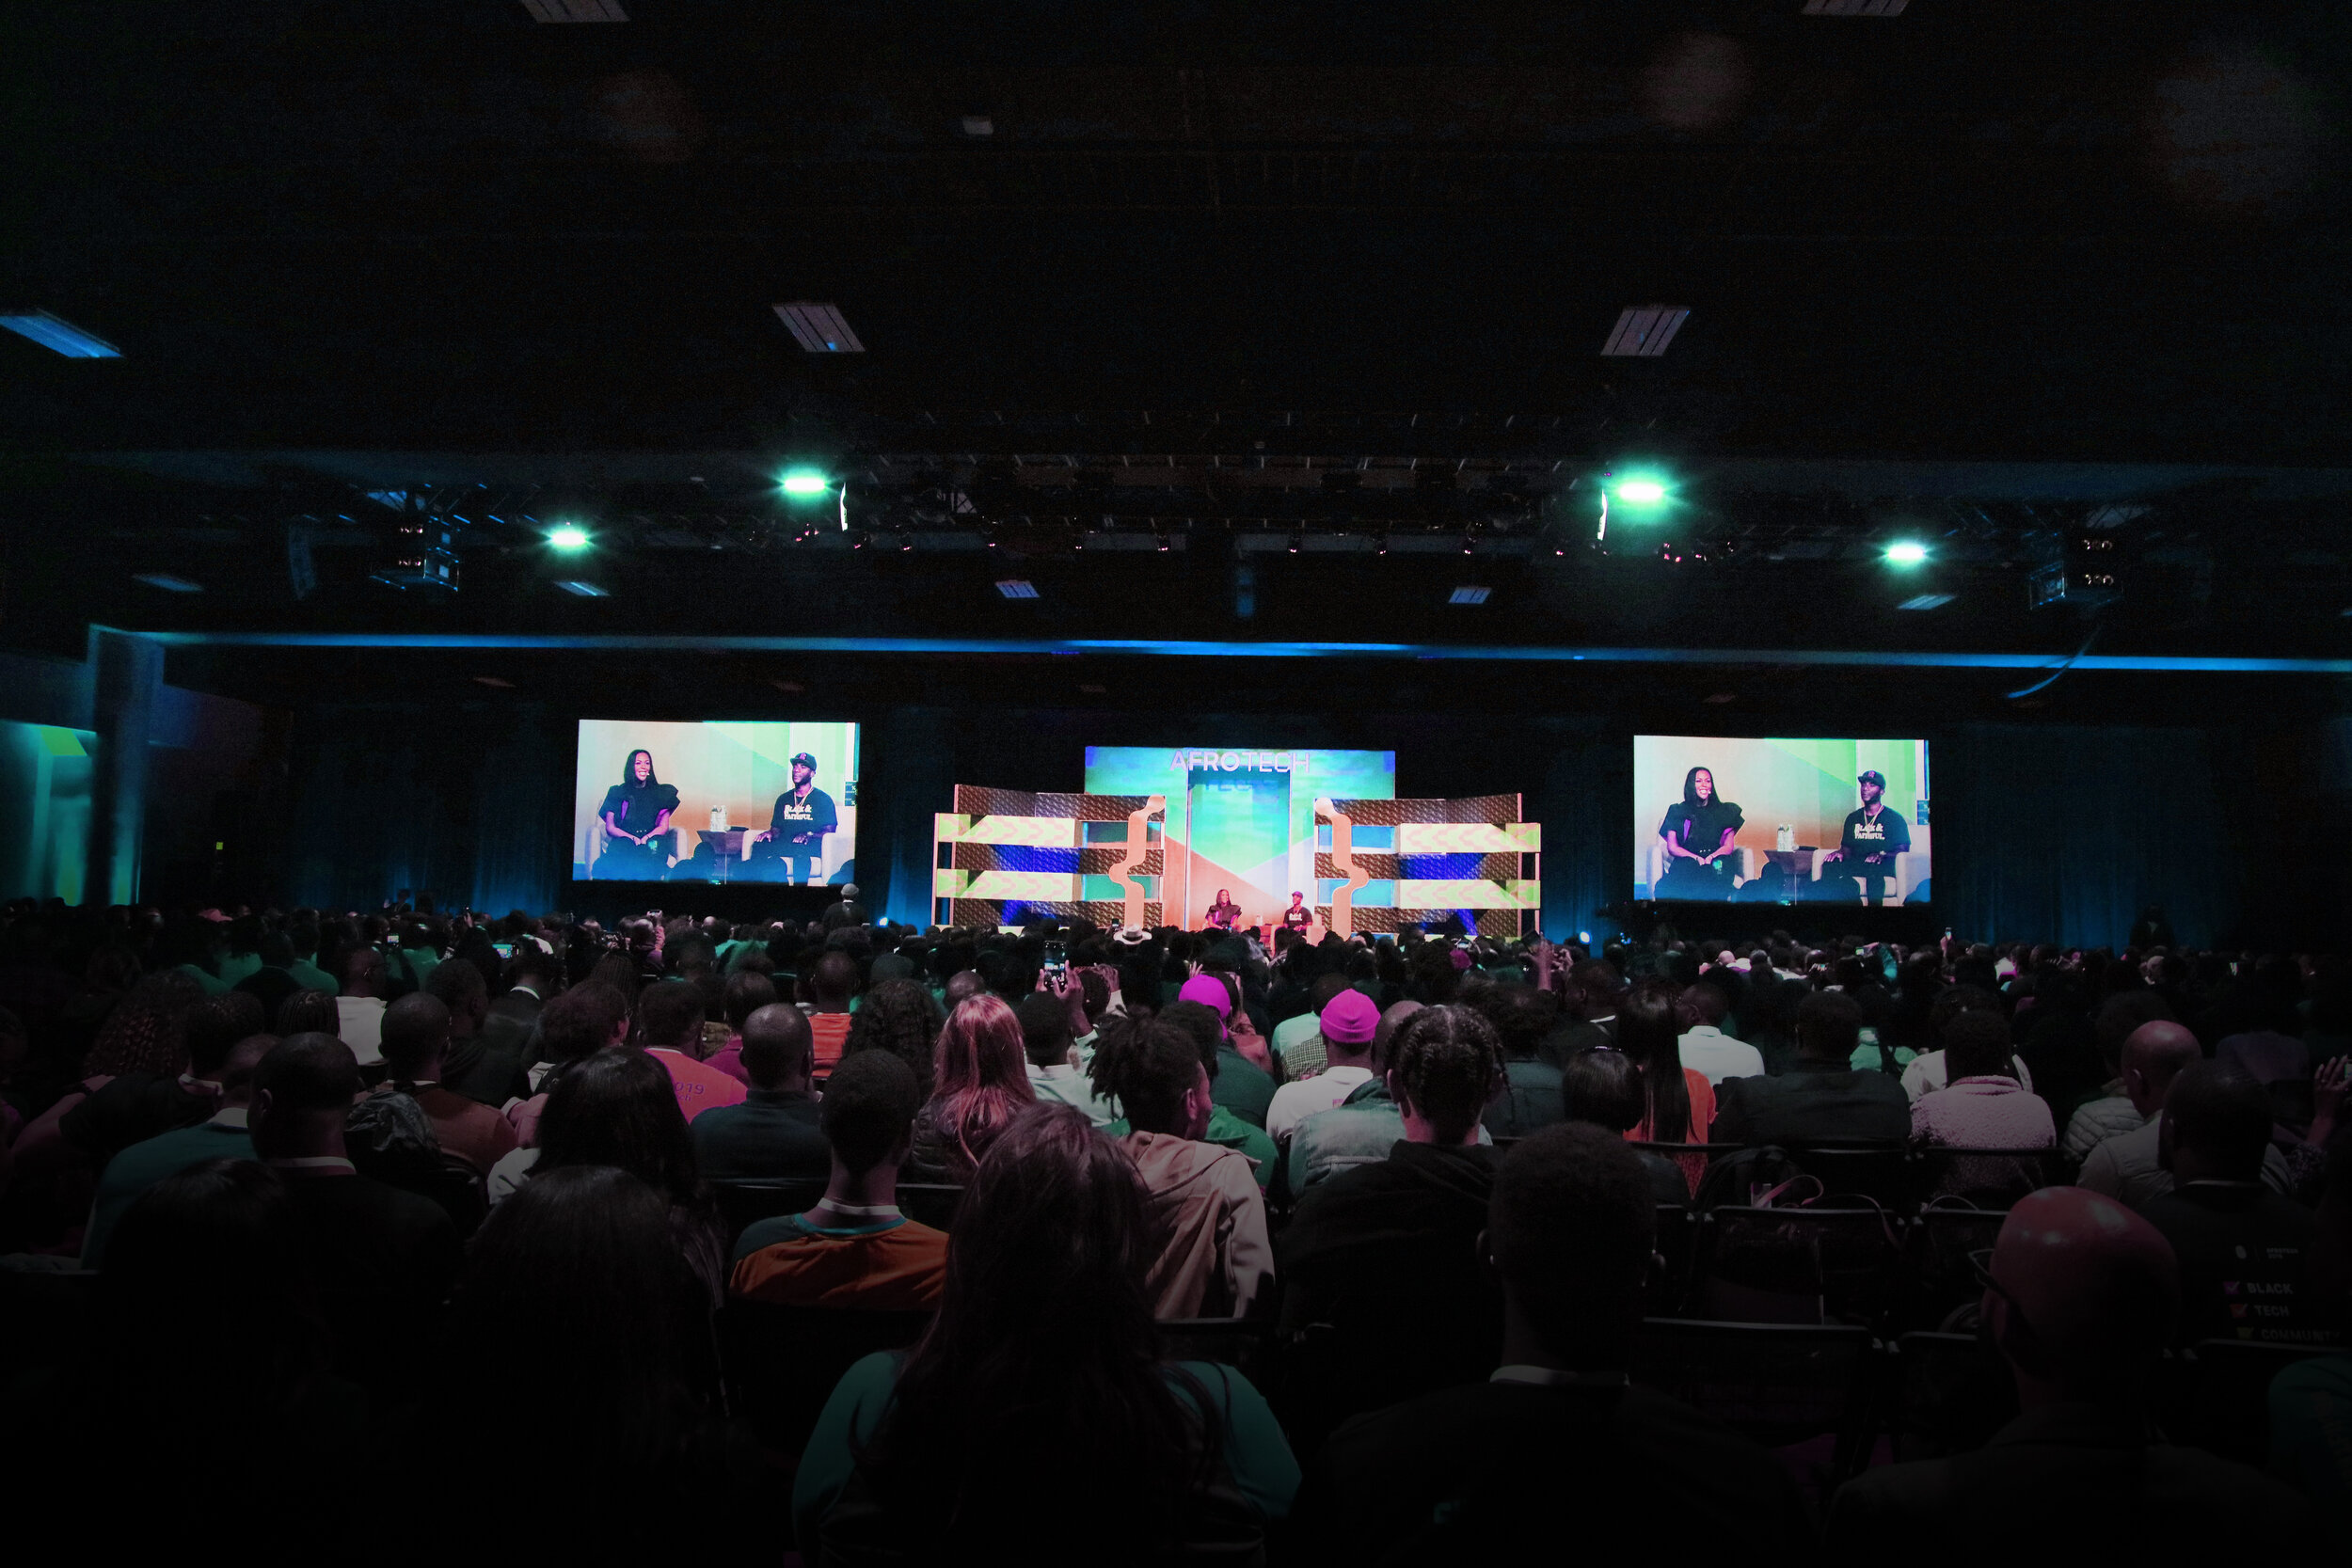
(1242, 821)
(1808, 786)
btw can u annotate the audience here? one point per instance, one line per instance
(204, 1172)
(1049, 1036)
(854, 1250)
(1347, 1026)
(2130, 1166)
(382, 1259)
(416, 1041)
(1494, 1471)
(2242, 1247)
(1705, 1049)
(1982, 1106)
(830, 983)
(1207, 1214)
(774, 1134)
(2080, 1300)
(1044, 1345)
(1603, 1088)
(1821, 1099)
(130, 1174)
(1395, 1241)
(980, 1085)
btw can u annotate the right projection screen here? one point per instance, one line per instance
(1719, 819)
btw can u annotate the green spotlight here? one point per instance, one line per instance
(1906, 552)
(805, 484)
(568, 537)
(1641, 492)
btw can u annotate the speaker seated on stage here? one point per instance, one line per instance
(792, 848)
(632, 840)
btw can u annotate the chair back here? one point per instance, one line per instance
(781, 1363)
(1953, 1393)
(1988, 1178)
(743, 1203)
(2218, 1397)
(1797, 1266)
(1940, 1282)
(1880, 1172)
(1778, 1383)
(931, 1203)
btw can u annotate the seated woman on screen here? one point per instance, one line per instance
(1224, 914)
(1698, 833)
(635, 813)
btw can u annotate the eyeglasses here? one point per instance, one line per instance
(1980, 1264)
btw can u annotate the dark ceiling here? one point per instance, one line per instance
(1982, 273)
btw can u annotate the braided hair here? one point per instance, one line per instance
(1145, 1068)
(1448, 1062)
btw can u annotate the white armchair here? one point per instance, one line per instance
(1911, 868)
(1751, 861)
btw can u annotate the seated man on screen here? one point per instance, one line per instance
(804, 816)
(1873, 837)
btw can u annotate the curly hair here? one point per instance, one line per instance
(1146, 1067)
(1448, 1062)
(902, 1018)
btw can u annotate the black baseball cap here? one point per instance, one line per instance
(1873, 776)
(802, 759)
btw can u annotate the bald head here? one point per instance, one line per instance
(415, 1036)
(778, 1047)
(2095, 1291)
(963, 985)
(2153, 1056)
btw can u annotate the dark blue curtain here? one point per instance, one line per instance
(2062, 832)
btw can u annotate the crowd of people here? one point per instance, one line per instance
(405, 1232)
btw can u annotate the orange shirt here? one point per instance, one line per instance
(828, 1033)
(898, 1269)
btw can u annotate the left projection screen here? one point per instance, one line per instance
(715, 801)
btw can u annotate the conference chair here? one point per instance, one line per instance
(1988, 1178)
(1882, 1173)
(1940, 1283)
(1952, 1391)
(592, 848)
(1677, 1247)
(780, 1363)
(931, 1203)
(2219, 1395)
(1779, 1384)
(1819, 1264)
(743, 1203)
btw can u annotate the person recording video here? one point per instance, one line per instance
(635, 813)
(1698, 834)
(1873, 837)
(804, 816)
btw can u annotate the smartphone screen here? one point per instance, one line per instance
(1057, 959)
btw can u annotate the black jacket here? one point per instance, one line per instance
(1811, 1105)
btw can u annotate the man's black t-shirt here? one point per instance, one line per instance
(2241, 1249)
(1299, 917)
(1874, 840)
(804, 823)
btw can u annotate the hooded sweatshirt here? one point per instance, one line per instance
(1214, 1256)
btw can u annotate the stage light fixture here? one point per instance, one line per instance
(805, 484)
(575, 11)
(1017, 587)
(1906, 552)
(64, 337)
(1467, 594)
(568, 537)
(1643, 331)
(585, 590)
(1295, 540)
(168, 583)
(1641, 490)
(1925, 601)
(1855, 8)
(819, 329)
